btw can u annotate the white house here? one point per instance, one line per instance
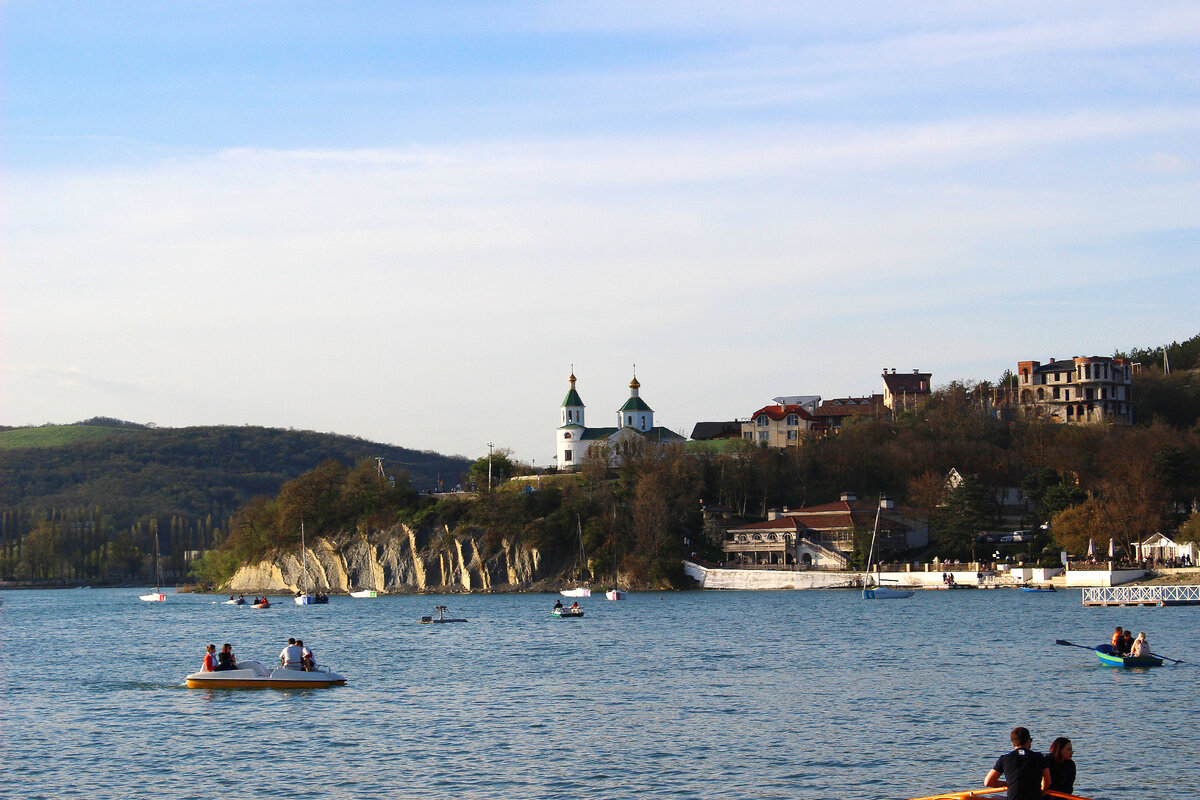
(1160, 548)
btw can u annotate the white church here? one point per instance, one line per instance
(635, 421)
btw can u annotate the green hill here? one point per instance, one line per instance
(111, 485)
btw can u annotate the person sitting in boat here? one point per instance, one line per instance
(307, 663)
(575, 606)
(1141, 647)
(558, 605)
(225, 659)
(1127, 641)
(210, 659)
(291, 656)
(1062, 768)
(241, 601)
(1025, 772)
(1118, 640)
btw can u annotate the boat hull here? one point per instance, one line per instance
(253, 675)
(157, 597)
(1105, 654)
(310, 600)
(566, 613)
(884, 593)
(365, 593)
(614, 594)
(581, 591)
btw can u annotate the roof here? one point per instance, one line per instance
(636, 404)
(909, 382)
(716, 430)
(572, 398)
(656, 434)
(850, 406)
(779, 412)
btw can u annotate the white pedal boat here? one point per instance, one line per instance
(253, 675)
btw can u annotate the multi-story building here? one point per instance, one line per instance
(1079, 390)
(904, 391)
(832, 413)
(822, 536)
(779, 425)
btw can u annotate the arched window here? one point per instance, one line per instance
(567, 435)
(1041, 394)
(763, 421)
(793, 419)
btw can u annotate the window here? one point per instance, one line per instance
(748, 435)
(791, 435)
(643, 422)
(763, 421)
(566, 455)
(567, 435)
(762, 436)
(1056, 392)
(793, 419)
(569, 413)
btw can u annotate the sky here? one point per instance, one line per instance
(408, 221)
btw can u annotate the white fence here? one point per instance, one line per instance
(1141, 596)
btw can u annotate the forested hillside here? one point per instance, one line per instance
(83, 502)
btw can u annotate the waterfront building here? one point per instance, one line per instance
(822, 536)
(635, 428)
(1082, 389)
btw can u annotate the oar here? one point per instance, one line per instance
(1069, 644)
(1164, 658)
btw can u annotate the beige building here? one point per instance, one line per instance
(1079, 390)
(779, 425)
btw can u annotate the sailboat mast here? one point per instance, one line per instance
(871, 552)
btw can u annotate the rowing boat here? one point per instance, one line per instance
(1107, 656)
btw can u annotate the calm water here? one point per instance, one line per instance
(714, 695)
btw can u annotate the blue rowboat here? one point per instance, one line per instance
(1038, 589)
(1107, 656)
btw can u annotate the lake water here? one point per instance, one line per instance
(713, 695)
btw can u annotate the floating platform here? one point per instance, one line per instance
(1141, 596)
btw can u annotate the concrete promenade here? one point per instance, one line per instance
(750, 578)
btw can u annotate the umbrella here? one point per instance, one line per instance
(1112, 550)
(1091, 548)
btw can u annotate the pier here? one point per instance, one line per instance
(1141, 596)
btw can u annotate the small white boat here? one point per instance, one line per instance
(581, 591)
(253, 675)
(568, 613)
(365, 593)
(614, 594)
(877, 591)
(884, 593)
(156, 596)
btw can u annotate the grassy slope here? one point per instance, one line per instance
(55, 435)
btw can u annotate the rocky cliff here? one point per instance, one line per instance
(399, 559)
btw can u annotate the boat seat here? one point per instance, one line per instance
(256, 666)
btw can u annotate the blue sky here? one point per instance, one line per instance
(406, 221)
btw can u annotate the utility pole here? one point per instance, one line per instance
(490, 446)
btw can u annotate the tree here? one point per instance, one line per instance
(965, 513)
(1072, 527)
(501, 466)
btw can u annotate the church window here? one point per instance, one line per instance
(567, 435)
(643, 422)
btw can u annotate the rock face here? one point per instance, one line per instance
(399, 559)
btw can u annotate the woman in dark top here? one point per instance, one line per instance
(225, 659)
(1062, 768)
